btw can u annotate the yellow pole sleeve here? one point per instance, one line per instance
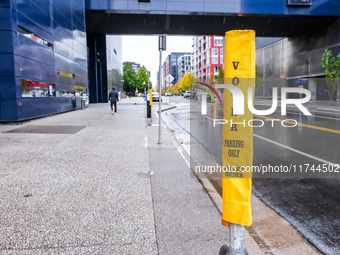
(150, 96)
(237, 150)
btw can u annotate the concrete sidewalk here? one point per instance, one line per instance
(88, 182)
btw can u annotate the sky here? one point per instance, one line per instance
(144, 50)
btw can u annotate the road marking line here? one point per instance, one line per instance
(295, 150)
(316, 116)
(303, 125)
(294, 113)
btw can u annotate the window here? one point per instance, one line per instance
(36, 89)
(218, 41)
(214, 60)
(34, 37)
(299, 2)
(214, 51)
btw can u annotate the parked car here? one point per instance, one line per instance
(169, 94)
(155, 96)
(187, 94)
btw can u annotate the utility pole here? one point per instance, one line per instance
(148, 81)
(235, 246)
(148, 99)
(161, 47)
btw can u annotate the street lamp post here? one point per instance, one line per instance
(148, 102)
(121, 90)
(161, 47)
(149, 81)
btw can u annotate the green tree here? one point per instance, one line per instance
(142, 79)
(174, 89)
(211, 78)
(186, 81)
(257, 76)
(220, 75)
(332, 71)
(129, 77)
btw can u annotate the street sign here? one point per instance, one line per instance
(162, 42)
(169, 78)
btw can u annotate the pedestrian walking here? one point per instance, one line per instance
(113, 98)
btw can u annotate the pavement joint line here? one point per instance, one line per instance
(295, 150)
(152, 195)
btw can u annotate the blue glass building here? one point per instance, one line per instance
(43, 57)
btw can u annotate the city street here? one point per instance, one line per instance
(89, 166)
(311, 205)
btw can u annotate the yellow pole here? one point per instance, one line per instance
(150, 96)
(237, 150)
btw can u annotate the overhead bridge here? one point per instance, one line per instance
(209, 17)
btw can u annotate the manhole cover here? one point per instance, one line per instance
(47, 129)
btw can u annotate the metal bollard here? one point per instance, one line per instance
(148, 109)
(235, 246)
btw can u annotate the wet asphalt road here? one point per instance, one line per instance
(311, 205)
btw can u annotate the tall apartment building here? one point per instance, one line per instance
(165, 71)
(184, 65)
(170, 66)
(207, 56)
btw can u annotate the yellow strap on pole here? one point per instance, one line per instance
(150, 96)
(237, 150)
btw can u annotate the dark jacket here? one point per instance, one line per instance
(113, 96)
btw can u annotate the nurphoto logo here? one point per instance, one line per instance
(238, 105)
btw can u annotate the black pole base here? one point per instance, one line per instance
(148, 109)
